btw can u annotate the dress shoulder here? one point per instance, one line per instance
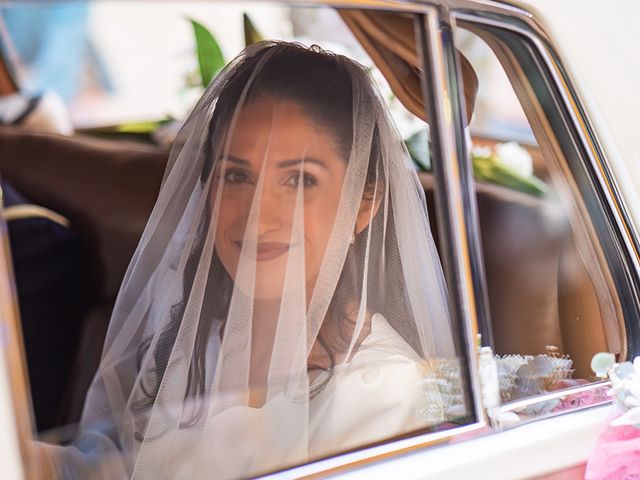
(380, 393)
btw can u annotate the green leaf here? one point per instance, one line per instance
(251, 34)
(418, 147)
(136, 128)
(210, 57)
(485, 168)
(141, 127)
(489, 169)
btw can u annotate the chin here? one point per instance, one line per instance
(270, 285)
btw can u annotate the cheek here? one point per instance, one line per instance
(229, 222)
(232, 211)
(227, 256)
(320, 215)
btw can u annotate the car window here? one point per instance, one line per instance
(554, 290)
(101, 217)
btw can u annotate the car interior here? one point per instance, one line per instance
(540, 290)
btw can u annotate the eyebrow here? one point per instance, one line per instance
(296, 161)
(282, 164)
(238, 161)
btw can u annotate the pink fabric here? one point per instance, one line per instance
(576, 400)
(616, 455)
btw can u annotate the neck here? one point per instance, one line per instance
(263, 331)
(265, 321)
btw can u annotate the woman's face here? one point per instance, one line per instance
(275, 143)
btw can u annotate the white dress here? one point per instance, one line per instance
(379, 394)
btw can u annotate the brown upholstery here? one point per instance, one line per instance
(584, 332)
(522, 257)
(540, 293)
(107, 190)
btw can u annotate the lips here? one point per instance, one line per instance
(266, 250)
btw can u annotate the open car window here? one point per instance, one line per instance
(438, 400)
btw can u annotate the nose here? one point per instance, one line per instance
(272, 212)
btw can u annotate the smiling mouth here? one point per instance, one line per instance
(267, 250)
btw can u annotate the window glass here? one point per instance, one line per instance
(183, 377)
(553, 297)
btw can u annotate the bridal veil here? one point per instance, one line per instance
(290, 220)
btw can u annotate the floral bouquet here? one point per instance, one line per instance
(617, 453)
(526, 375)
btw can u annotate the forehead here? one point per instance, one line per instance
(280, 127)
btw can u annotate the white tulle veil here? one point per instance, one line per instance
(261, 269)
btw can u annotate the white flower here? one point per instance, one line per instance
(631, 417)
(632, 386)
(511, 363)
(631, 401)
(481, 151)
(513, 156)
(503, 419)
(602, 362)
(488, 370)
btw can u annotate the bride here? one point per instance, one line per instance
(286, 300)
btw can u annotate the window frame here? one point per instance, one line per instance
(589, 161)
(15, 395)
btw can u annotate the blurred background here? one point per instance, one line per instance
(115, 63)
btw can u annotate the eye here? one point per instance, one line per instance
(235, 176)
(308, 180)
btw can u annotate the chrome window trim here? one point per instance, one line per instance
(513, 18)
(523, 403)
(456, 207)
(12, 351)
(346, 461)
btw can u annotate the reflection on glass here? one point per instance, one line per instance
(286, 301)
(552, 299)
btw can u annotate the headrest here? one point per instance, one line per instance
(106, 188)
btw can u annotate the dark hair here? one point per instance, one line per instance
(321, 83)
